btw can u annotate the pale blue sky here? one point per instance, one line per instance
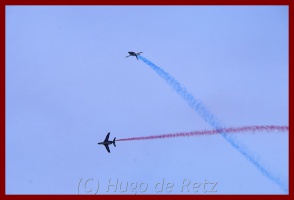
(68, 84)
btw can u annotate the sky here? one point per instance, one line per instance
(69, 83)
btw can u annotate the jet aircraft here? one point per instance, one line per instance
(134, 54)
(106, 142)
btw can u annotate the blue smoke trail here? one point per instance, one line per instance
(199, 107)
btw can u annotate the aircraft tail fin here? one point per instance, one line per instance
(114, 141)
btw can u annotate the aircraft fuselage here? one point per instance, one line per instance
(107, 143)
(132, 53)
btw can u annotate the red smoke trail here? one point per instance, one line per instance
(211, 132)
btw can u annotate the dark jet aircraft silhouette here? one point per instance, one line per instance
(106, 142)
(134, 54)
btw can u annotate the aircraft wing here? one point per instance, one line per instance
(107, 136)
(107, 147)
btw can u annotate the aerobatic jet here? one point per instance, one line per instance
(134, 54)
(106, 142)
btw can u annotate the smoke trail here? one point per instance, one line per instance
(211, 132)
(200, 108)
